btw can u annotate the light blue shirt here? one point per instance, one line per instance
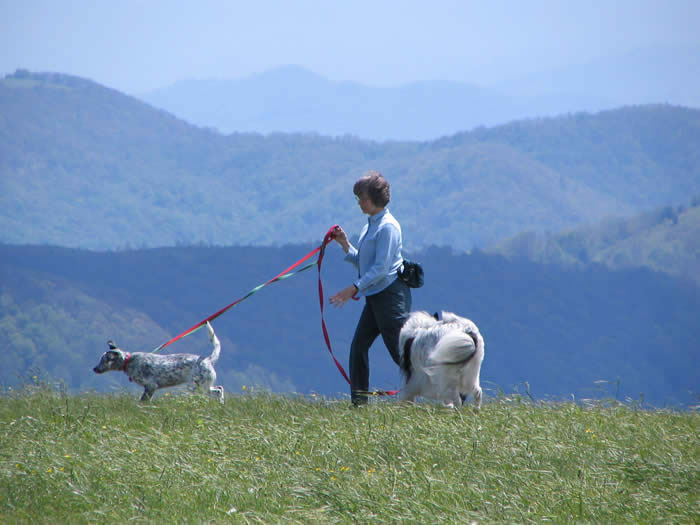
(378, 254)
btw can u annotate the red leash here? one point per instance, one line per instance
(322, 249)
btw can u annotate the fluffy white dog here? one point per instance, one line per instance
(441, 358)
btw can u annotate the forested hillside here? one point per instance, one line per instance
(82, 165)
(560, 330)
(666, 239)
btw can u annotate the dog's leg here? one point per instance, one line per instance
(477, 397)
(409, 392)
(204, 378)
(218, 391)
(455, 401)
(147, 394)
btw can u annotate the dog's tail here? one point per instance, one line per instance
(455, 348)
(214, 357)
(405, 364)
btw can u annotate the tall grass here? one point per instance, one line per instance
(265, 458)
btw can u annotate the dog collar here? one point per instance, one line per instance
(126, 361)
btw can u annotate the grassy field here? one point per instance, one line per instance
(263, 458)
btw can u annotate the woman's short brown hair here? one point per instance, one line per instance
(375, 187)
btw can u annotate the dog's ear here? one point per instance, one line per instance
(111, 345)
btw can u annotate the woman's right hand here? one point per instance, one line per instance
(341, 238)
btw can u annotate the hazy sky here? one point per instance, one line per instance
(138, 45)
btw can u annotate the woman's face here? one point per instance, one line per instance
(366, 204)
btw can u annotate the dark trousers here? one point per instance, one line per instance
(384, 313)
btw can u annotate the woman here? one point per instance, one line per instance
(378, 260)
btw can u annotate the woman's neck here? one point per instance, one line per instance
(374, 210)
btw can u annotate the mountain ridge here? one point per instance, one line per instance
(84, 165)
(430, 108)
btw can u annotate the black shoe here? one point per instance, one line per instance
(359, 401)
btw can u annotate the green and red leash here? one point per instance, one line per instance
(285, 275)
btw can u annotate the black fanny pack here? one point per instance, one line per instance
(411, 274)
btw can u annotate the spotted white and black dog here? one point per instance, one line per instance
(154, 371)
(441, 358)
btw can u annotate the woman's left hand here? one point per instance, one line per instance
(343, 296)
